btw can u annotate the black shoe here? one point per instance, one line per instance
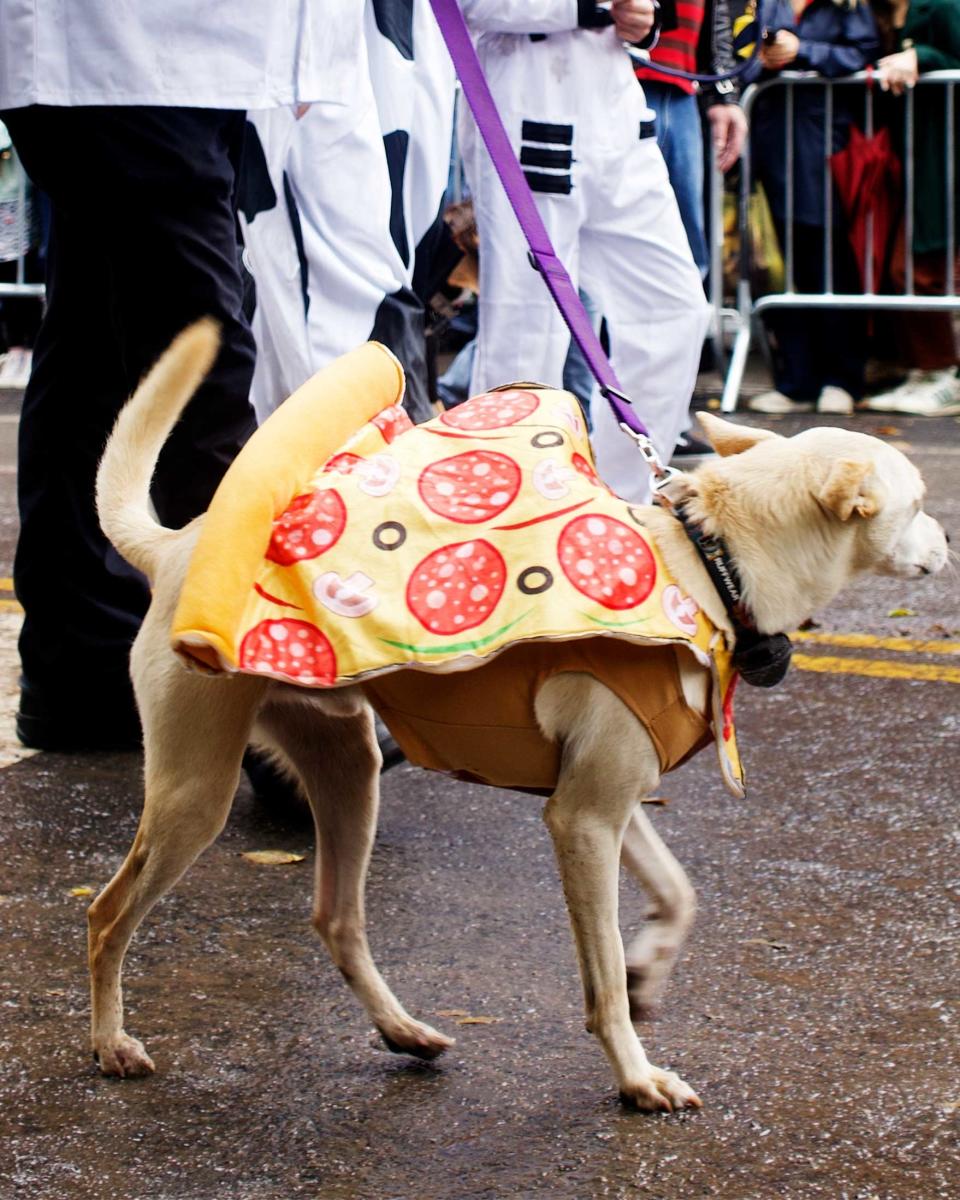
(391, 752)
(89, 726)
(688, 447)
(276, 790)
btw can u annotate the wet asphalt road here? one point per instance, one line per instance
(814, 1010)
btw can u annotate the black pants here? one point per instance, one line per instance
(143, 240)
(816, 346)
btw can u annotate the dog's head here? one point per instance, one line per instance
(804, 515)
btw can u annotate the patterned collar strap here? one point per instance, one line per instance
(761, 659)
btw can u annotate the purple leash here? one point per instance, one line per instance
(542, 255)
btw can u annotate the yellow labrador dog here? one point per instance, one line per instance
(801, 517)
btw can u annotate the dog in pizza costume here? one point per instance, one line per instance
(345, 547)
(576, 117)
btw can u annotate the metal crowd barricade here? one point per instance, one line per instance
(16, 226)
(749, 308)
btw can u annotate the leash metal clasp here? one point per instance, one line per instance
(663, 475)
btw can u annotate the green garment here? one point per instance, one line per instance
(932, 28)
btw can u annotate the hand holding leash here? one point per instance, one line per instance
(633, 19)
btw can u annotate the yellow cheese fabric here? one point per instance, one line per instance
(433, 547)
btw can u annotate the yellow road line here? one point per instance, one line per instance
(10, 606)
(6, 585)
(876, 668)
(870, 641)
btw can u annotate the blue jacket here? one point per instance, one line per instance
(836, 38)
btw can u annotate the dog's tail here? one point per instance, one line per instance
(145, 423)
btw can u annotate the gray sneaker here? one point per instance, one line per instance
(775, 403)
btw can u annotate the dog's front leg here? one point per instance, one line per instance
(606, 756)
(651, 956)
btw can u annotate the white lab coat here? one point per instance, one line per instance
(574, 112)
(191, 53)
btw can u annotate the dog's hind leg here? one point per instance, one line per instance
(195, 731)
(607, 757)
(651, 956)
(338, 763)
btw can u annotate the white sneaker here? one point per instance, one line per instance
(836, 400)
(775, 403)
(924, 394)
(15, 368)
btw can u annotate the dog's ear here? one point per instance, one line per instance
(727, 438)
(842, 492)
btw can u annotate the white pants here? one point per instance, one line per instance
(358, 229)
(333, 163)
(618, 232)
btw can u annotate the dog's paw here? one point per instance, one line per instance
(413, 1037)
(123, 1056)
(660, 1091)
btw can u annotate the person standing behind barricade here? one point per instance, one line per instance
(926, 34)
(819, 354)
(131, 121)
(565, 88)
(696, 36)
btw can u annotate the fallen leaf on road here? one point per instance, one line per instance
(901, 612)
(81, 891)
(888, 430)
(272, 858)
(774, 945)
(478, 1020)
(452, 1012)
(659, 800)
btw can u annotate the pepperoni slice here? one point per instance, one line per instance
(457, 587)
(311, 524)
(392, 422)
(295, 649)
(470, 487)
(491, 410)
(584, 467)
(344, 463)
(728, 709)
(607, 561)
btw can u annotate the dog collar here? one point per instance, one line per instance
(761, 659)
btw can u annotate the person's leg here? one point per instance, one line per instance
(178, 259)
(841, 334)
(577, 376)
(926, 340)
(680, 138)
(82, 604)
(679, 135)
(453, 387)
(274, 254)
(121, 284)
(636, 263)
(521, 334)
(794, 333)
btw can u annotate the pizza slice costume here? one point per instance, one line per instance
(449, 568)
